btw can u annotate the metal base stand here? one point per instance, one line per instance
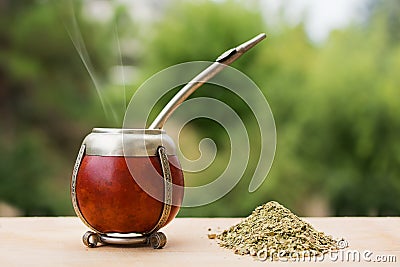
(156, 240)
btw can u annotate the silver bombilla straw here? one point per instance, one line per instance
(222, 61)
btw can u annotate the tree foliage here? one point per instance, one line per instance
(335, 105)
(46, 102)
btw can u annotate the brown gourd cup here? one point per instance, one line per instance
(127, 183)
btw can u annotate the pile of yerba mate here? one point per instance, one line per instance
(272, 228)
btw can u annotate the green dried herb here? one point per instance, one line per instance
(272, 228)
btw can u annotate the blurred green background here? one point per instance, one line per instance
(336, 103)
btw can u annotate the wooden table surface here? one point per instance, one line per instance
(57, 242)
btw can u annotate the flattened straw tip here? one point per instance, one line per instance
(251, 43)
